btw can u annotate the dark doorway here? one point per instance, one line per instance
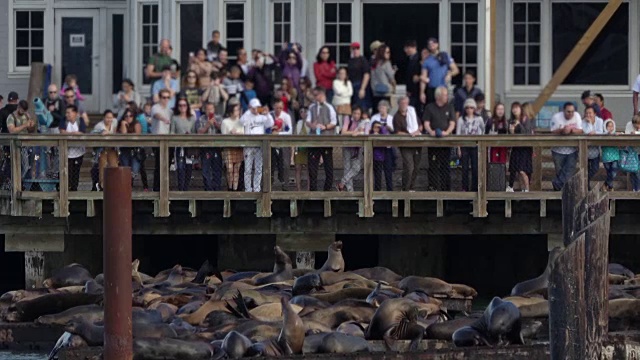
(12, 276)
(77, 51)
(190, 32)
(394, 24)
(117, 24)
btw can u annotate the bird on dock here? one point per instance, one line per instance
(62, 342)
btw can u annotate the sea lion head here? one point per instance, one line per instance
(47, 283)
(135, 265)
(336, 246)
(468, 336)
(502, 318)
(281, 256)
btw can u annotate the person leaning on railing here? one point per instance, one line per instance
(301, 154)
(592, 125)
(280, 156)
(73, 125)
(520, 161)
(633, 128)
(161, 114)
(322, 119)
(386, 120)
(131, 156)
(565, 158)
(439, 120)
(210, 158)
(183, 122)
(107, 156)
(352, 157)
(233, 156)
(256, 121)
(469, 124)
(405, 122)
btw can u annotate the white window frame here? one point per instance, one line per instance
(352, 26)
(511, 26)
(248, 19)
(272, 23)
(479, 44)
(23, 72)
(546, 53)
(139, 60)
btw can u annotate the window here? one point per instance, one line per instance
(29, 38)
(150, 30)
(464, 38)
(337, 30)
(234, 28)
(526, 43)
(281, 24)
(606, 62)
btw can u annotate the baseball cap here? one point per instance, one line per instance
(13, 96)
(375, 45)
(254, 103)
(355, 45)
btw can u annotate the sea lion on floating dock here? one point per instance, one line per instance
(235, 345)
(379, 273)
(539, 284)
(29, 310)
(618, 269)
(335, 261)
(171, 349)
(282, 269)
(530, 307)
(291, 338)
(445, 330)
(396, 319)
(344, 294)
(306, 284)
(429, 285)
(90, 313)
(70, 275)
(499, 325)
(339, 343)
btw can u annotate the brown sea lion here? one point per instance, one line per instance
(445, 330)
(618, 269)
(235, 345)
(307, 301)
(167, 311)
(624, 308)
(339, 343)
(171, 349)
(70, 275)
(379, 273)
(530, 307)
(337, 296)
(539, 284)
(29, 310)
(352, 328)
(271, 312)
(329, 278)
(377, 296)
(396, 319)
(337, 314)
(315, 327)
(199, 315)
(464, 290)
(429, 285)
(94, 334)
(335, 261)
(291, 338)
(92, 287)
(190, 308)
(500, 324)
(282, 269)
(90, 313)
(616, 279)
(306, 284)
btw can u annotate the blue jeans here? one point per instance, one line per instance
(211, 160)
(128, 157)
(355, 98)
(565, 168)
(184, 169)
(612, 171)
(594, 166)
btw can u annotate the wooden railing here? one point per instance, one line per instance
(13, 201)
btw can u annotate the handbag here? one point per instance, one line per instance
(629, 160)
(344, 109)
(381, 89)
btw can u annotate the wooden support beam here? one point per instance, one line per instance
(507, 208)
(193, 208)
(293, 208)
(16, 178)
(91, 209)
(481, 200)
(226, 211)
(305, 260)
(573, 192)
(264, 203)
(612, 209)
(439, 208)
(536, 181)
(576, 53)
(583, 162)
(407, 208)
(36, 85)
(63, 202)
(543, 208)
(368, 179)
(493, 8)
(394, 208)
(163, 203)
(327, 208)
(33, 269)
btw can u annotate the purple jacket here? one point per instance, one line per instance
(292, 72)
(378, 152)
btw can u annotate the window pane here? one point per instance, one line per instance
(330, 13)
(286, 33)
(146, 34)
(534, 12)
(345, 33)
(154, 14)
(471, 12)
(520, 12)
(520, 33)
(235, 30)
(287, 12)
(235, 11)
(345, 12)
(471, 33)
(146, 14)
(519, 54)
(344, 55)
(277, 12)
(534, 75)
(22, 38)
(234, 45)
(471, 55)
(22, 58)
(534, 54)
(607, 59)
(534, 33)
(456, 53)
(154, 32)
(22, 19)
(277, 34)
(456, 33)
(457, 12)
(37, 38)
(37, 19)
(330, 34)
(519, 75)
(37, 55)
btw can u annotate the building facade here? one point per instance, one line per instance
(104, 41)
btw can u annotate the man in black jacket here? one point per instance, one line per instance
(53, 103)
(5, 162)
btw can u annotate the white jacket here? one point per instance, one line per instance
(255, 124)
(342, 93)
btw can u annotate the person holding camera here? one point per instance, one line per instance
(256, 121)
(437, 70)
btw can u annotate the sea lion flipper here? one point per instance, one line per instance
(388, 339)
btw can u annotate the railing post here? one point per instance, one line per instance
(536, 181)
(163, 206)
(16, 177)
(481, 198)
(583, 161)
(263, 205)
(63, 201)
(368, 178)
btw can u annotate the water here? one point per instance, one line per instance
(8, 355)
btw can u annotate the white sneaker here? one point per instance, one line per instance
(509, 189)
(525, 190)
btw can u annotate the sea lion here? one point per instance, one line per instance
(241, 275)
(70, 275)
(352, 328)
(379, 273)
(217, 319)
(396, 319)
(92, 287)
(306, 284)
(315, 327)
(335, 261)
(144, 349)
(339, 343)
(464, 290)
(329, 278)
(206, 269)
(618, 269)
(616, 279)
(337, 296)
(29, 310)
(90, 313)
(624, 308)
(282, 268)
(530, 307)
(291, 338)
(271, 312)
(499, 325)
(199, 315)
(17, 295)
(445, 330)
(337, 314)
(94, 334)
(235, 345)
(377, 296)
(539, 284)
(312, 343)
(429, 285)
(190, 308)
(309, 301)
(167, 311)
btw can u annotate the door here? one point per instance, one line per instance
(77, 52)
(191, 24)
(396, 23)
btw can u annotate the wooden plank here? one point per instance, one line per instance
(439, 208)
(33, 269)
(368, 179)
(543, 208)
(481, 200)
(305, 242)
(63, 201)
(38, 195)
(264, 205)
(507, 208)
(576, 53)
(163, 203)
(327, 208)
(226, 212)
(316, 195)
(583, 162)
(612, 208)
(360, 207)
(572, 193)
(567, 303)
(213, 195)
(16, 178)
(91, 210)
(394, 208)
(293, 209)
(21, 242)
(536, 181)
(193, 208)
(423, 195)
(407, 208)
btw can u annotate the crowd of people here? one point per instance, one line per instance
(273, 94)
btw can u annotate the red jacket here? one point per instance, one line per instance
(325, 73)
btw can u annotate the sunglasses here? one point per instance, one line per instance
(127, 116)
(53, 92)
(69, 96)
(165, 97)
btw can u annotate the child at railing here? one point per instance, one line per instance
(610, 156)
(71, 82)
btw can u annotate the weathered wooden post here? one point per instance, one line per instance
(578, 323)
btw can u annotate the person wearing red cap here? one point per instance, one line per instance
(359, 71)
